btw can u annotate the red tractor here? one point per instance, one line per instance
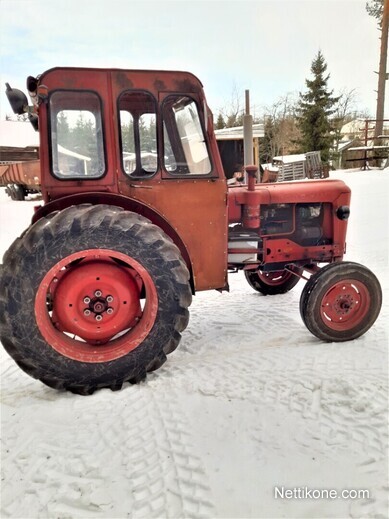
(137, 217)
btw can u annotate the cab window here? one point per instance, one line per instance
(185, 149)
(137, 112)
(77, 147)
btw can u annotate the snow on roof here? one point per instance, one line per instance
(270, 167)
(16, 134)
(236, 132)
(368, 148)
(289, 159)
(345, 145)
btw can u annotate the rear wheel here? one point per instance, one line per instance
(16, 192)
(92, 297)
(341, 302)
(271, 283)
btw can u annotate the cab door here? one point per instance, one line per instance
(187, 187)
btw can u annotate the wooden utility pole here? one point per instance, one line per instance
(247, 132)
(382, 71)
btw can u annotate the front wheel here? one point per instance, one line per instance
(341, 302)
(92, 297)
(272, 283)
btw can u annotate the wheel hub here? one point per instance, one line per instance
(96, 300)
(345, 304)
(98, 305)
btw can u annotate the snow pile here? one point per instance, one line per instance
(250, 401)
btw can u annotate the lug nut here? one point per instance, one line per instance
(98, 293)
(86, 312)
(98, 317)
(87, 300)
(109, 310)
(109, 299)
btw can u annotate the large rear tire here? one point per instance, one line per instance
(92, 297)
(271, 283)
(341, 302)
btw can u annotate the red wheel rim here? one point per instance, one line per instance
(278, 277)
(96, 305)
(345, 305)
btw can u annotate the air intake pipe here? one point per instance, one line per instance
(251, 218)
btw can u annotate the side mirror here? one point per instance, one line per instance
(17, 99)
(34, 120)
(32, 84)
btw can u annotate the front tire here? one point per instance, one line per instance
(92, 297)
(341, 302)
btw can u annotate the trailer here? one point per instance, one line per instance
(20, 178)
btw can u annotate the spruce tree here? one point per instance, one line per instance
(315, 107)
(376, 8)
(266, 147)
(220, 124)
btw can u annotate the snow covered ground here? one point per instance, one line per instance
(250, 401)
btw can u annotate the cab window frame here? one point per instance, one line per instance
(100, 135)
(139, 173)
(183, 171)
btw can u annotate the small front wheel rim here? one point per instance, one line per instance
(345, 305)
(275, 278)
(96, 305)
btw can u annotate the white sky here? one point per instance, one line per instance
(266, 46)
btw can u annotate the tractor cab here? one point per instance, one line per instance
(142, 140)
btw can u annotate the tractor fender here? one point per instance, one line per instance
(128, 204)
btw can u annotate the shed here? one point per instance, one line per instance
(349, 158)
(230, 143)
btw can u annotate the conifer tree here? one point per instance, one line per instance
(266, 148)
(376, 8)
(220, 124)
(315, 108)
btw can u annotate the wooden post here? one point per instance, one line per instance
(366, 139)
(248, 133)
(382, 71)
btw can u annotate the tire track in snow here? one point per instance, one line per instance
(256, 348)
(325, 384)
(157, 472)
